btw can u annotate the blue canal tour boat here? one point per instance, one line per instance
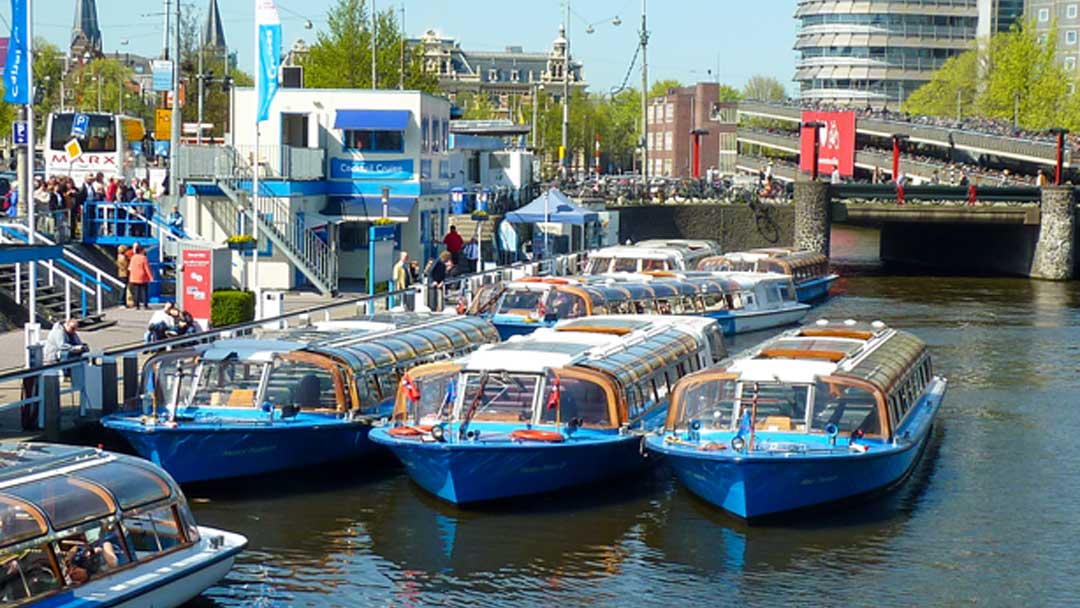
(827, 412)
(562, 407)
(290, 399)
(659, 255)
(740, 302)
(809, 269)
(86, 528)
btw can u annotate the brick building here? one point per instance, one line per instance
(673, 116)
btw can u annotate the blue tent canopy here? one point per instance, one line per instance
(552, 207)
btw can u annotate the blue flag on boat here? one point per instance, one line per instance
(268, 49)
(451, 395)
(744, 423)
(16, 69)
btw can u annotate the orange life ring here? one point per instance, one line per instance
(537, 435)
(409, 431)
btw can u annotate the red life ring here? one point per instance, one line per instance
(537, 435)
(409, 431)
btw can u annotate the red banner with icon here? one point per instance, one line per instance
(197, 269)
(836, 142)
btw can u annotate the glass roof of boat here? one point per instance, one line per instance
(641, 359)
(59, 487)
(610, 322)
(562, 348)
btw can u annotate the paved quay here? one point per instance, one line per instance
(129, 330)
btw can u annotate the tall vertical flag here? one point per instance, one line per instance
(17, 69)
(268, 43)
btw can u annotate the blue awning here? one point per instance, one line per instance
(367, 208)
(372, 120)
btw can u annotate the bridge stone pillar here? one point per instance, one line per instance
(812, 221)
(1054, 250)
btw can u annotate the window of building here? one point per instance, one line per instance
(1070, 11)
(515, 75)
(668, 140)
(1070, 37)
(667, 167)
(1070, 63)
(1042, 38)
(493, 75)
(670, 113)
(373, 141)
(1044, 15)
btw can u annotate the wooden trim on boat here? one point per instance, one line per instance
(596, 329)
(617, 414)
(833, 356)
(836, 332)
(322, 362)
(579, 292)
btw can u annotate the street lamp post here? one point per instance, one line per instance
(537, 88)
(563, 151)
(896, 139)
(1060, 157)
(98, 78)
(644, 99)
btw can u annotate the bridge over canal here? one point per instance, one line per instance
(1020, 231)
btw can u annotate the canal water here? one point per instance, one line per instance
(988, 518)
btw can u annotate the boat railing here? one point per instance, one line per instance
(101, 381)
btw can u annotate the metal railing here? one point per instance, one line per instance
(77, 275)
(984, 143)
(95, 374)
(303, 242)
(274, 162)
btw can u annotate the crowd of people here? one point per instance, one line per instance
(972, 124)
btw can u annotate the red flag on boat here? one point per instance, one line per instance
(553, 398)
(411, 391)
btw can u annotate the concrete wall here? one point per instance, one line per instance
(734, 226)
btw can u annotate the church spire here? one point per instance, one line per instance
(213, 32)
(85, 35)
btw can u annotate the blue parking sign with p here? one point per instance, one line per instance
(19, 132)
(79, 125)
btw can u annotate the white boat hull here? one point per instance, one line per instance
(767, 319)
(166, 582)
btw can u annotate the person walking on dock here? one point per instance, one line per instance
(139, 276)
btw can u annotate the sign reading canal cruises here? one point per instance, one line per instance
(836, 142)
(197, 268)
(348, 168)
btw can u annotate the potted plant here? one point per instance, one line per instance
(383, 221)
(480, 216)
(241, 242)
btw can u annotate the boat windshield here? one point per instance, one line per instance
(499, 397)
(598, 265)
(780, 407)
(711, 402)
(438, 392)
(228, 383)
(850, 408)
(519, 299)
(578, 398)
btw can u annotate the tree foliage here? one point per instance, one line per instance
(341, 56)
(1011, 73)
(764, 88)
(728, 93)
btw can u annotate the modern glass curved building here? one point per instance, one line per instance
(878, 52)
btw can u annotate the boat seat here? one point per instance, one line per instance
(775, 423)
(241, 397)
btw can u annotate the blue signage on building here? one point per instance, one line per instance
(348, 168)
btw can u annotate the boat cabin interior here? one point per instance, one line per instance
(337, 373)
(859, 380)
(801, 265)
(71, 515)
(597, 372)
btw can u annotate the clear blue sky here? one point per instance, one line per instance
(688, 37)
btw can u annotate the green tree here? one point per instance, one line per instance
(476, 107)
(660, 87)
(764, 88)
(728, 93)
(341, 56)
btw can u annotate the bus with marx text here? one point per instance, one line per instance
(111, 145)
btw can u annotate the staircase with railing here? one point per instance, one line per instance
(66, 287)
(231, 171)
